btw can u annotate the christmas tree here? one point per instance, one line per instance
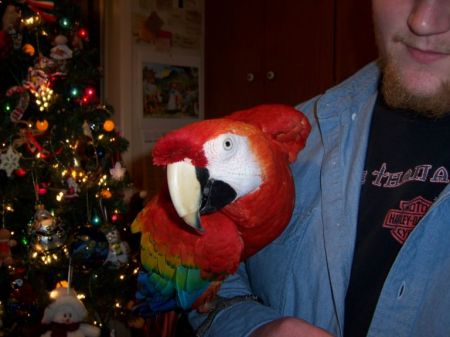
(64, 191)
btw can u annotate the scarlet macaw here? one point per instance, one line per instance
(229, 180)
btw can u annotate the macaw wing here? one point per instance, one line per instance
(182, 267)
(159, 292)
(285, 125)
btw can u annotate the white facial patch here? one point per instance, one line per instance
(231, 160)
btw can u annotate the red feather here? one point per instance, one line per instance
(286, 126)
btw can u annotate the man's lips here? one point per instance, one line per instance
(426, 56)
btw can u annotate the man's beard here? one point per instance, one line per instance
(397, 95)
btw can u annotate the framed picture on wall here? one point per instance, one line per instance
(170, 92)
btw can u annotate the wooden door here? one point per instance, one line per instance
(298, 49)
(233, 44)
(308, 45)
(266, 51)
(355, 41)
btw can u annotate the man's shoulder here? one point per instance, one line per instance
(364, 79)
(357, 87)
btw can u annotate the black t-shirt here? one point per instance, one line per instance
(407, 163)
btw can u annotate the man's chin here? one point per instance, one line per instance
(418, 91)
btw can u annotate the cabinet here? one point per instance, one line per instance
(285, 51)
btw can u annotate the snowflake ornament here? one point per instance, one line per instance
(9, 161)
(117, 172)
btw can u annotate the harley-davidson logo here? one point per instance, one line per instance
(402, 221)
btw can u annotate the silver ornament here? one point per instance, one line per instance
(46, 231)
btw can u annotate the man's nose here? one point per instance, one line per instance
(429, 17)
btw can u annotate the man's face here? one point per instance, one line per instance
(413, 38)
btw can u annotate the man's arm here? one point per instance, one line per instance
(289, 327)
(249, 318)
(240, 318)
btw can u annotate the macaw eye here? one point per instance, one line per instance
(227, 144)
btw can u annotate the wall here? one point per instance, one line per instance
(138, 34)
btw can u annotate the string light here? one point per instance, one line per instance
(31, 21)
(102, 180)
(60, 196)
(74, 92)
(43, 96)
(83, 33)
(65, 23)
(90, 92)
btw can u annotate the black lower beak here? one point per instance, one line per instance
(216, 194)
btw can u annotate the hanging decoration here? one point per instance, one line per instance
(22, 102)
(9, 161)
(22, 302)
(48, 238)
(5, 247)
(118, 250)
(117, 172)
(89, 248)
(43, 9)
(66, 313)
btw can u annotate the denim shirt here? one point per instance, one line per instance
(305, 272)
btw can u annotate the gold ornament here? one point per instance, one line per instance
(28, 49)
(42, 125)
(108, 125)
(106, 194)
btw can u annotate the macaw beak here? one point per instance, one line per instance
(193, 192)
(186, 192)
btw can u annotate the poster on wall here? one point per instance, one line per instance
(166, 25)
(169, 92)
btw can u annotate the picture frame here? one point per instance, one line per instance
(168, 92)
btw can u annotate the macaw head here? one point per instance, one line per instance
(210, 164)
(213, 163)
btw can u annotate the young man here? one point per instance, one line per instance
(367, 252)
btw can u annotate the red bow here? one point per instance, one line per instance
(42, 8)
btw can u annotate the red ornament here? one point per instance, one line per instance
(42, 188)
(83, 33)
(21, 172)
